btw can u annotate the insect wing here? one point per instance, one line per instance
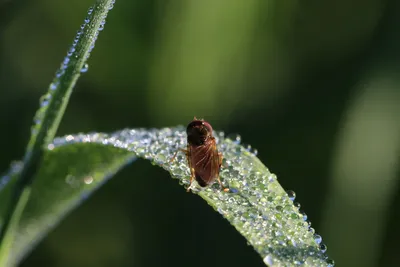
(205, 161)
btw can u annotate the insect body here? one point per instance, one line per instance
(202, 154)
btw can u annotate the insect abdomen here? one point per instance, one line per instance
(200, 180)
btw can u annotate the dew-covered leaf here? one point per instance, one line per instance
(256, 205)
(68, 175)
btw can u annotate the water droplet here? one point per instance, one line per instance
(304, 215)
(323, 247)
(330, 262)
(66, 61)
(269, 260)
(271, 178)
(44, 100)
(291, 194)
(85, 68)
(318, 239)
(88, 180)
(59, 73)
(236, 139)
(233, 190)
(101, 26)
(247, 147)
(53, 86)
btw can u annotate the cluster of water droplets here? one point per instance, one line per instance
(256, 204)
(15, 167)
(70, 59)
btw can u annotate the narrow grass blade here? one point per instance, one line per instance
(48, 117)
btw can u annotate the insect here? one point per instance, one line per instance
(202, 154)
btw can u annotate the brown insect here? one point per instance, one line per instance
(202, 154)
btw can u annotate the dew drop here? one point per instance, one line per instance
(76, 40)
(330, 262)
(101, 26)
(271, 178)
(323, 247)
(60, 73)
(44, 100)
(309, 261)
(85, 68)
(66, 61)
(53, 86)
(247, 147)
(233, 190)
(111, 5)
(318, 239)
(88, 180)
(291, 194)
(160, 158)
(304, 215)
(272, 187)
(236, 139)
(269, 260)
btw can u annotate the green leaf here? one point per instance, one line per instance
(67, 177)
(257, 206)
(47, 120)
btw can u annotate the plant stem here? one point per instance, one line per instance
(48, 117)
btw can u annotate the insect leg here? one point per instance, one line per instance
(219, 181)
(220, 158)
(176, 153)
(191, 179)
(192, 173)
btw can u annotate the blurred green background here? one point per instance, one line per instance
(313, 85)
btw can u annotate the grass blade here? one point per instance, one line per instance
(48, 117)
(257, 206)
